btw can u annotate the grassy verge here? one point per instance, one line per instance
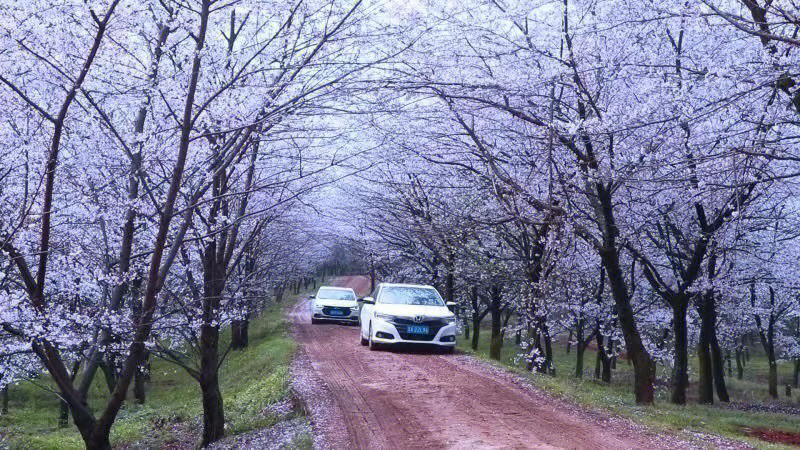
(618, 398)
(251, 379)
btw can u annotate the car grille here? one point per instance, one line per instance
(328, 309)
(434, 325)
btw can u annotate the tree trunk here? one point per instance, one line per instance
(705, 376)
(245, 335)
(213, 286)
(548, 351)
(602, 368)
(680, 375)
(579, 350)
(140, 378)
(239, 337)
(138, 387)
(450, 283)
(236, 334)
(5, 399)
(108, 373)
(569, 340)
(98, 441)
(739, 366)
(597, 366)
(773, 378)
(63, 414)
(213, 413)
(718, 367)
(496, 345)
(476, 325)
(643, 367)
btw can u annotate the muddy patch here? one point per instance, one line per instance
(775, 436)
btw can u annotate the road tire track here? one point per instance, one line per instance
(415, 399)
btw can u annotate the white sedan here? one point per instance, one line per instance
(334, 303)
(405, 313)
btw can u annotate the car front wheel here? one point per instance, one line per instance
(372, 344)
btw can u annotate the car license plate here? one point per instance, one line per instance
(337, 312)
(418, 329)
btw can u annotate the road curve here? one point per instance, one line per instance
(421, 400)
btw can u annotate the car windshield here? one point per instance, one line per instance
(336, 294)
(405, 295)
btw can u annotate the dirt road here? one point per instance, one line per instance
(418, 399)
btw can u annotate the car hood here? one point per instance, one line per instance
(413, 310)
(339, 303)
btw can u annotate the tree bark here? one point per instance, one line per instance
(548, 350)
(773, 379)
(602, 368)
(718, 366)
(579, 350)
(213, 412)
(213, 281)
(139, 380)
(767, 337)
(476, 325)
(643, 367)
(569, 340)
(739, 366)
(239, 337)
(705, 376)
(680, 375)
(496, 345)
(5, 399)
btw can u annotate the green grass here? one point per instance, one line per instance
(618, 396)
(250, 380)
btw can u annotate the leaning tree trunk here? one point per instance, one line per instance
(643, 367)
(718, 366)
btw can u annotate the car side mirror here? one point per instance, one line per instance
(312, 296)
(451, 304)
(368, 300)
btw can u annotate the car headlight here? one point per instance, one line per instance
(450, 320)
(384, 316)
